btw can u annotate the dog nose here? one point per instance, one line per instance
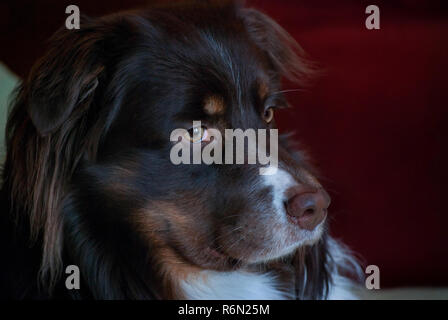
(308, 209)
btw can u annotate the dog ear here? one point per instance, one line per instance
(47, 135)
(284, 53)
(64, 78)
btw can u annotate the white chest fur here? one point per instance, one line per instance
(235, 285)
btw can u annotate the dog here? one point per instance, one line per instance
(88, 179)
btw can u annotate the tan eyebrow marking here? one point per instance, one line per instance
(263, 90)
(214, 105)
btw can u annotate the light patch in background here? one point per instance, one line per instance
(8, 81)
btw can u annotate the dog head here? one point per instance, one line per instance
(96, 116)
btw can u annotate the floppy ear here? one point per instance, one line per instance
(43, 153)
(284, 53)
(66, 76)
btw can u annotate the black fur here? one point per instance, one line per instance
(87, 148)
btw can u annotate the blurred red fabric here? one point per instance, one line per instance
(374, 121)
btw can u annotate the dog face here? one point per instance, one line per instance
(125, 84)
(215, 215)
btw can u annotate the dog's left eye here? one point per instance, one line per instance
(197, 134)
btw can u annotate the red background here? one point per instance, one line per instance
(374, 122)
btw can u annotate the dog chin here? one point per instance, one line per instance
(285, 248)
(311, 237)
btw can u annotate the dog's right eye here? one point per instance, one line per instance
(197, 134)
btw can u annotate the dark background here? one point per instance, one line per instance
(375, 121)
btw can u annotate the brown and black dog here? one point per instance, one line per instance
(88, 179)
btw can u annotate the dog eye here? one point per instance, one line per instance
(268, 114)
(197, 134)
